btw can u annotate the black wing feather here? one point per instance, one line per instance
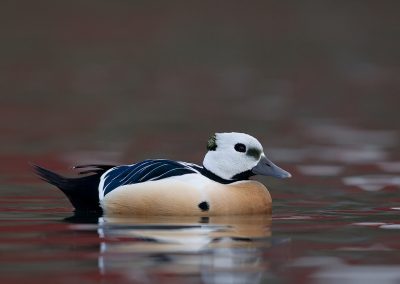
(145, 171)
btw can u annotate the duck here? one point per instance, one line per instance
(222, 185)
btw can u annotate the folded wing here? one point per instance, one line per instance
(147, 170)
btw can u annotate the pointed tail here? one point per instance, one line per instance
(82, 192)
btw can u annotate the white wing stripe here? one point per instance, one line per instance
(158, 177)
(162, 165)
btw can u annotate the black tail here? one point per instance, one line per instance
(82, 192)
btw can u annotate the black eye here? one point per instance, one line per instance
(240, 147)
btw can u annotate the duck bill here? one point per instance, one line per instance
(266, 168)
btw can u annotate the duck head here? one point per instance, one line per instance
(236, 156)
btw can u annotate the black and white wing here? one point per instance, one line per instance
(147, 170)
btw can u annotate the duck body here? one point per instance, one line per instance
(165, 187)
(221, 186)
(189, 194)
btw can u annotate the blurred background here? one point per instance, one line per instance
(85, 81)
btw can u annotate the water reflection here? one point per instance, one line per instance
(372, 182)
(390, 167)
(335, 270)
(320, 170)
(224, 249)
(359, 274)
(346, 135)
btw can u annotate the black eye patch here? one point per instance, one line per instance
(253, 152)
(240, 147)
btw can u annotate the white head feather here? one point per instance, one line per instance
(225, 161)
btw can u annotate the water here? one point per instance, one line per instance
(99, 82)
(335, 221)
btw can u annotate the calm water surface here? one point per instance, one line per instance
(121, 81)
(335, 221)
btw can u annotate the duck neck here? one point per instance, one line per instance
(242, 176)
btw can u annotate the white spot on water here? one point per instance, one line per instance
(369, 224)
(350, 154)
(344, 135)
(294, 217)
(374, 247)
(390, 226)
(357, 274)
(320, 170)
(372, 182)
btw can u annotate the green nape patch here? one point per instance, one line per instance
(212, 143)
(253, 152)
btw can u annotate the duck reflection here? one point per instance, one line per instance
(218, 249)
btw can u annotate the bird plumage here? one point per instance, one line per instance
(147, 170)
(82, 191)
(166, 187)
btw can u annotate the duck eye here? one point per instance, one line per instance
(240, 147)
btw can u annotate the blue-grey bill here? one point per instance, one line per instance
(266, 168)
